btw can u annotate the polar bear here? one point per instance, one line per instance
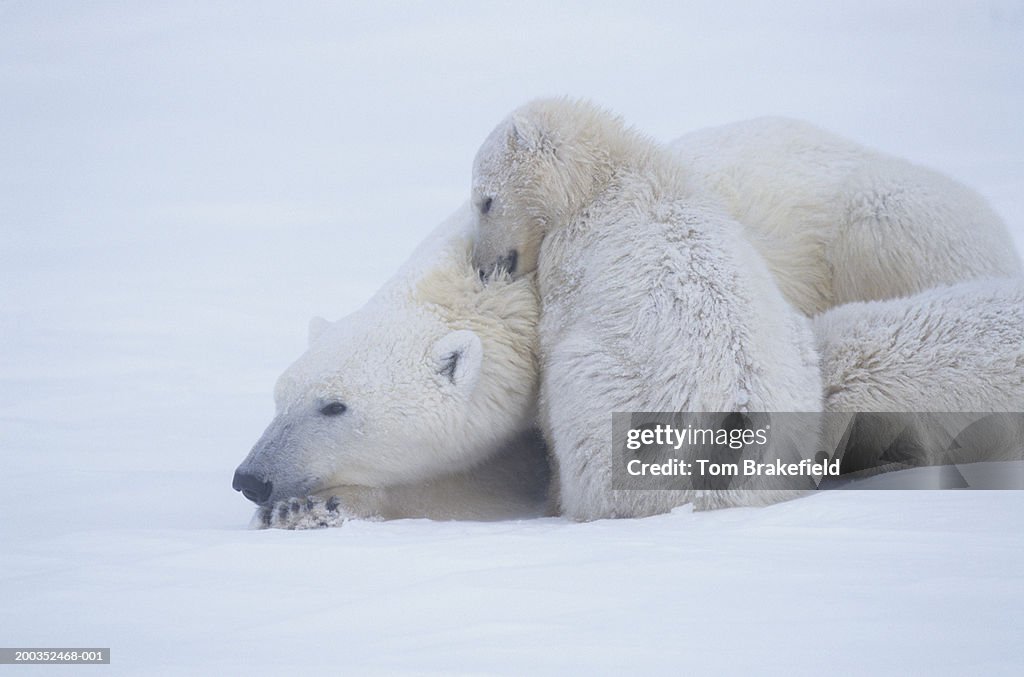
(926, 369)
(421, 404)
(838, 222)
(652, 299)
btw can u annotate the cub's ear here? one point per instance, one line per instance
(457, 357)
(317, 326)
(525, 133)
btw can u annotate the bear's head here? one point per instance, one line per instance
(433, 375)
(534, 172)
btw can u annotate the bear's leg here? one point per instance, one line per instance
(578, 428)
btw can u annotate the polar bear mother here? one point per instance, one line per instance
(420, 404)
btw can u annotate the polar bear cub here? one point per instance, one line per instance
(838, 222)
(927, 368)
(652, 299)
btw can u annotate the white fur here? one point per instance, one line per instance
(838, 222)
(423, 434)
(652, 298)
(951, 349)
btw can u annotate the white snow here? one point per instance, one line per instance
(182, 185)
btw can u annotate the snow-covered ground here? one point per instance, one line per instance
(183, 184)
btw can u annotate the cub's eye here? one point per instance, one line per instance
(485, 206)
(333, 409)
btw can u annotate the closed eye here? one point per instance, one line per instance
(333, 409)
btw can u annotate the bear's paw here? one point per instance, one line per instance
(312, 512)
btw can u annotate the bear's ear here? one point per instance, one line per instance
(457, 357)
(317, 326)
(525, 133)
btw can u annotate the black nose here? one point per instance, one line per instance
(502, 265)
(252, 487)
(508, 261)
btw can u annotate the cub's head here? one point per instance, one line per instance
(532, 173)
(429, 378)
